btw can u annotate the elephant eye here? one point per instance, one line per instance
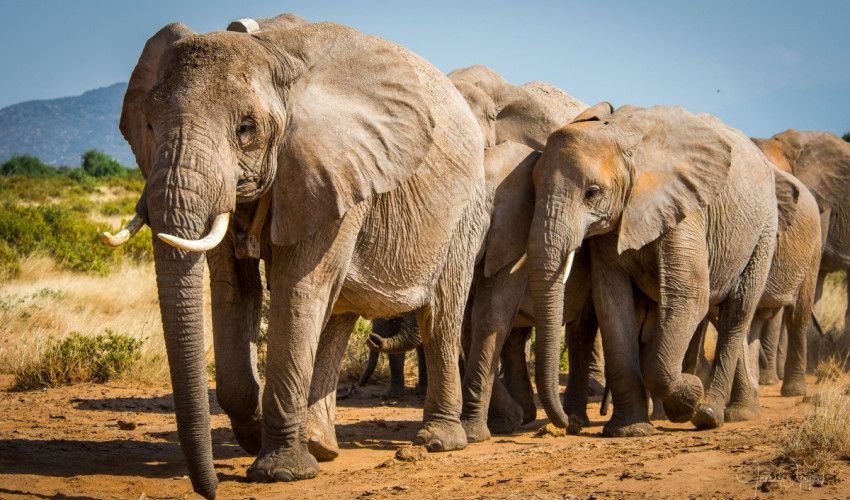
(246, 129)
(592, 192)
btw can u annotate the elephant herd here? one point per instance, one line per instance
(463, 210)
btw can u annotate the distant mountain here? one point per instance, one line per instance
(60, 130)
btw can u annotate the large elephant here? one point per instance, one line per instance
(822, 163)
(361, 146)
(677, 213)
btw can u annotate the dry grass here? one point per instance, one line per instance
(807, 453)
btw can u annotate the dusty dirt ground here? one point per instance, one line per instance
(109, 441)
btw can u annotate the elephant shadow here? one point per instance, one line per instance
(155, 404)
(377, 434)
(116, 457)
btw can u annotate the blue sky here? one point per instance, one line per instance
(762, 66)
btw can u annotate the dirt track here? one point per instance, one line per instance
(68, 442)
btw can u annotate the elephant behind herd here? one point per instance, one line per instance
(371, 184)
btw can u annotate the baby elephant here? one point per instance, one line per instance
(395, 336)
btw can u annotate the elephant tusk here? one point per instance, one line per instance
(519, 263)
(208, 242)
(246, 25)
(124, 234)
(568, 266)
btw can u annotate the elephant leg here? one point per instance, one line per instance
(237, 298)
(684, 291)
(516, 377)
(596, 388)
(306, 281)
(321, 411)
(581, 326)
(695, 355)
(769, 339)
(782, 349)
(494, 306)
(396, 388)
(744, 398)
(734, 320)
(797, 320)
(422, 383)
(613, 301)
(371, 364)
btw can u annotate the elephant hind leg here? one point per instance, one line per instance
(797, 319)
(516, 376)
(744, 400)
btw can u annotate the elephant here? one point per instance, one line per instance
(355, 146)
(395, 336)
(822, 163)
(515, 120)
(673, 213)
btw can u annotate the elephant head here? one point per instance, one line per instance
(524, 114)
(819, 159)
(319, 115)
(635, 171)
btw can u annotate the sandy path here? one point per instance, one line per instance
(67, 441)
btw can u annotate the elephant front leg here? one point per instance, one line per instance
(237, 296)
(516, 375)
(613, 300)
(581, 326)
(769, 339)
(321, 412)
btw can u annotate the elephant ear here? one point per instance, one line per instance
(523, 118)
(823, 166)
(787, 196)
(508, 167)
(679, 164)
(132, 124)
(360, 124)
(597, 112)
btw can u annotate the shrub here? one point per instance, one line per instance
(808, 450)
(846, 137)
(99, 164)
(26, 165)
(79, 358)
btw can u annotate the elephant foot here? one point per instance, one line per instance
(283, 464)
(709, 415)
(441, 436)
(575, 423)
(476, 430)
(615, 428)
(421, 389)
(768, 377)
(394, 391)
(681, 403)
(657, 412)
(322, 445)
(793, 387)
(505, 415)
(248, 433)
(736, 413)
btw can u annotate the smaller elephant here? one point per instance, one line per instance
(395, 336)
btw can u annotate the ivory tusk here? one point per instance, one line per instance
(208, 242)
(123, 235)
(568, 266)
(519, 263)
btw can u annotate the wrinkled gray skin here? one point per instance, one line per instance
(331, 254)
(787, 301)
(822, 163)
(395, 336)
(678, 213)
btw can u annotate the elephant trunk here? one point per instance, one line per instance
(407, 339)
(550, 254)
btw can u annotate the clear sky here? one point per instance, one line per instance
(762, 66)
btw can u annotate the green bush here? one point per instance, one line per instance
(26, 165)
(79, 358)
(99, 164)
(846, 137)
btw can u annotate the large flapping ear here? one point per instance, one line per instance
(523, 117)
(279, 22)
(133, 125)
(597, 112)
(787, 197)
(508, 168)
(360, 124)
(680, 164)
(823, 166)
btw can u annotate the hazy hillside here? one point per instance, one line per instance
(59, 130)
